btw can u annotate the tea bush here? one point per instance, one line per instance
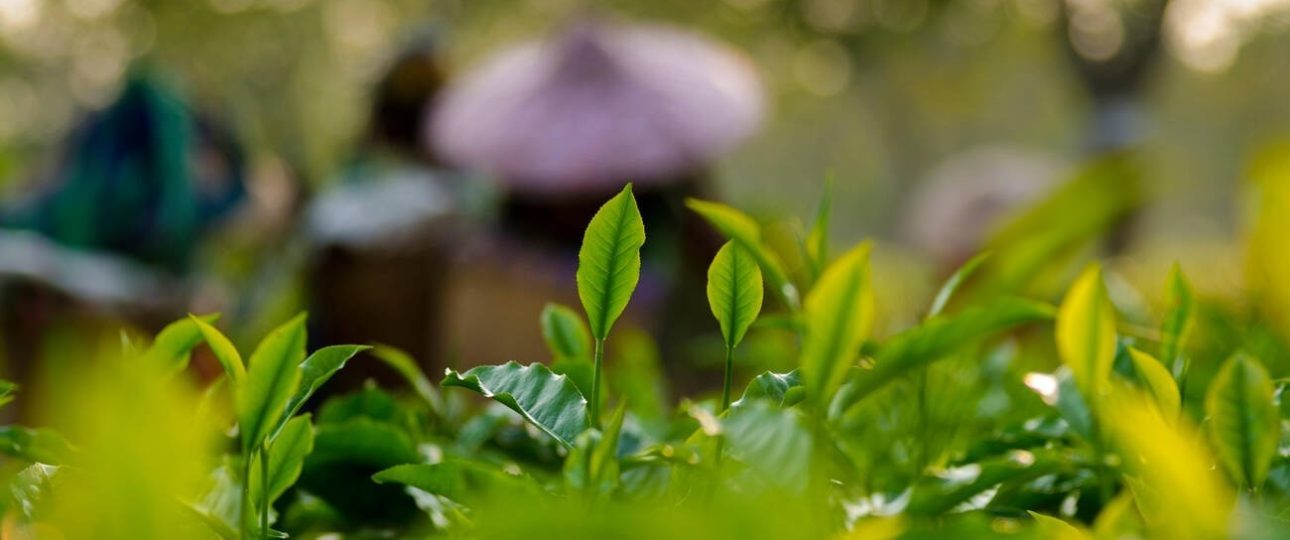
(957, 426)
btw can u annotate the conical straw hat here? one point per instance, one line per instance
(599, 106)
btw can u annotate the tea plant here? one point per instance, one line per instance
(996, 414)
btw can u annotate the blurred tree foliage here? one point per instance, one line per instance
(878, 91)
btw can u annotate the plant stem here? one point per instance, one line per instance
(246, 497)
(595, 384)
(725, 388)
(264, 491)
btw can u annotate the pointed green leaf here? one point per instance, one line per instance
(744, 231)
(549, 401)
(780, 389)
(952, 284)
(609, 262)
(1158, 383)
(592, 466)
(314, 372)
(287, 456)
(937, 338)
(456, 479)
(7, 391)
(734, 291)
(1086, 332)
(407, 367)
(838, 315)
(943, 491)
(223, 349)
(1057, 528)
(42, 445)
(444, 479)
(817, 240)
(565, 333)
(173, 343)
(271, 380)
(1243, 420)
(1178, 318)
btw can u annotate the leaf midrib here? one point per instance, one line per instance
(278, 376)
(611, 269)
(733, 298)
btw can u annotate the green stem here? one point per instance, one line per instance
(246, 497)
(595, 384)
(730, 368)
(264, 491)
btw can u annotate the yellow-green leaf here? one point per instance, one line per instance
(1158, 383)
(609, 262)
(734, 291)
(1086, 332)
(223, 349)
(173, 343)
(838, 315)
(1243, 421)
(1174, 483)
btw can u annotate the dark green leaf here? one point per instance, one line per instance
(942, 492)
(549, 401)
(457, 479)
(734, 291)
(780, 389)
(39, 444)
(1243, 420)
(609, 262)
(272, 379)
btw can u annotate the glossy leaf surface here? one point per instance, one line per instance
(549, 401)
(271, 380)
(609, 262)
(734, 291)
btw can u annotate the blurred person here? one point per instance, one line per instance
(381, 235)
(963, 199)
(112, 231)
(560, 126)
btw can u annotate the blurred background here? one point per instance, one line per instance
(418, 172)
